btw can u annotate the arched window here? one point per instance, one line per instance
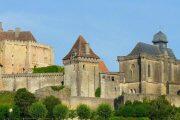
(132, 70)
(149, 70)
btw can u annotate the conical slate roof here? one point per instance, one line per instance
(160, 37)
(78, 50)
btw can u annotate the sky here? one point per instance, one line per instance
(111, 27)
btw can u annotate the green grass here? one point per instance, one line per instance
(6, 98)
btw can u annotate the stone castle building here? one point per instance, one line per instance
(20, 52)
(148, 69)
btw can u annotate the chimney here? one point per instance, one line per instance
(87, 49)
(17, 31)
(1, 28)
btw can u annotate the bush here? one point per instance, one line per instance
(38, 111)
(4, 111)
(60, 111)
(49, 69)
(50, 102)
(72, 114)
(57, 88)
(104, 111)
(98, 92)
(23, 99)
(83, 112)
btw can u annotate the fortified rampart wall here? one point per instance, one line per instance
(30, 81)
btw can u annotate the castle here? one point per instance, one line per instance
(149, 70)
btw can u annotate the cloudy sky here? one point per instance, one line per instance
(112, 27)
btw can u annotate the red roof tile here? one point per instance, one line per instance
(79, 49)
(102, 67)
(23, 36)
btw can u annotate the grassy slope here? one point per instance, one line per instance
(6, 98)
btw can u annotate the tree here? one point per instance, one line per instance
(98, 92)
(4, 111)
(104, 111)
(83, 112)
(23, 99)
(14, 112)
(38, 111)
(161, 109)
(50, 102)
(60, 111)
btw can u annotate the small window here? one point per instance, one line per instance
(115, 89)
(12, 64)
(112, 78)
(83, 66)
(178, 92)
(62, 83)
(12, 55)
(149, 71)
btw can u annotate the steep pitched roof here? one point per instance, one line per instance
(150, 50)
(160, 37)
(79, 49)
(22, 36)
(102, 67)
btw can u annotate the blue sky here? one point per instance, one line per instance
(112, 27)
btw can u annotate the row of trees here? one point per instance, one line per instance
(27, 106)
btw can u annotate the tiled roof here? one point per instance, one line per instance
(79, 50)
(22, 36)
(152, 50)
(160, 37)
(102, 67)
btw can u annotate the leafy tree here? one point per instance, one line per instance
(83, 112)
(50, 102)
(98, 92)
(72, 114)
(104, 111)
(23, 99)
(4, 111)
(161, 109)
(14, 112)
(38, 111)
(60, 111)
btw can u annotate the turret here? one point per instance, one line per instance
(160, 40)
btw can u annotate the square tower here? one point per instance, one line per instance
(81, 69)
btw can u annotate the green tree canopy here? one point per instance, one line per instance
(83, 112)
(23, 99)
(4, 111)
(50, 102)
(49, 69)
(104, 111)
(60, 112)
(38, 111)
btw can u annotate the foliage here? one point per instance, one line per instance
(4, 111)
(60, 111)
(98, 92)
(6, 98)
(49, 69)
(57, 88)
(83, 112)
(104, 111)
(15, 112)
(72, 114)
(161, 109)
(38, 111)
(23, 99)
(50, 102)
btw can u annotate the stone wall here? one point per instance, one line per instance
(12, 82)
(173, 99)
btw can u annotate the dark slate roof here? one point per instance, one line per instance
(152, 50)
(79, 49)
(23, 36)
(160, 37)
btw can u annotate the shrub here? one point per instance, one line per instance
(57, 88)
(104, 111)
(60, 111)
(4, 111)
(38, 110)
(98, 92)
(23, 99)
(83, 112)
(49, 69)
(50, 102)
